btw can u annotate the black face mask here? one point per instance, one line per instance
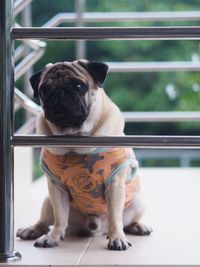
(65, 108)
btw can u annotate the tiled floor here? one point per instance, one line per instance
(173, 203)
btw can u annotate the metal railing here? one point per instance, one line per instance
(154, 66)
(9, 140)
(80, 18)
(108, 33)
(180, 157)
(108, 141)
(124, 16)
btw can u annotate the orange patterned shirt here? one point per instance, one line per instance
(86, 177)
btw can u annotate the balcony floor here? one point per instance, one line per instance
(173, 200)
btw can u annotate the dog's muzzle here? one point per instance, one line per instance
(65, 109)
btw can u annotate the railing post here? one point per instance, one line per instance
(7, 252)
(80, 44)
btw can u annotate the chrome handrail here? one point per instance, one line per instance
(158, 66)
(161, 116)
(108, 33)
(107, 141)
(7, 253)
(124, 16)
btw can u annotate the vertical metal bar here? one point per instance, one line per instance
(80, 44)
(26, 19)
(7, 252)
(27, 22)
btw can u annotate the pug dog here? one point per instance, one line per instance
(91, 190)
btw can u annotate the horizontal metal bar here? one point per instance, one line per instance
(154, 66)
(141, 16)
(168, 153)
(124, 16)
(161, 116)
(108, 141)
(34, 44)
(108, 33)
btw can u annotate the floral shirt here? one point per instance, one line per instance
(86, 177)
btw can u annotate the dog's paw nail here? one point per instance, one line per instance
(62, 237)
(45, 242)
(32, 232)
(26, 233)
(118, 244)
(138, 229)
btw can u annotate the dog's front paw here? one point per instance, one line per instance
(119, 243)
(32, 232)
(46, 241)
(138, 229)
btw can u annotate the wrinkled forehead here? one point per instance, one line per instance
(64, 69)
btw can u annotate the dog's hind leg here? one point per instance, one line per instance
(132, 216)
(42, 226)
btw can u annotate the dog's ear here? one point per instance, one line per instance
(97, 70)
(34, 81)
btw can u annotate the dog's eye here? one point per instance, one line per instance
(81, 88)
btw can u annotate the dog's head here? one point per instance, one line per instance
(66, 90)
